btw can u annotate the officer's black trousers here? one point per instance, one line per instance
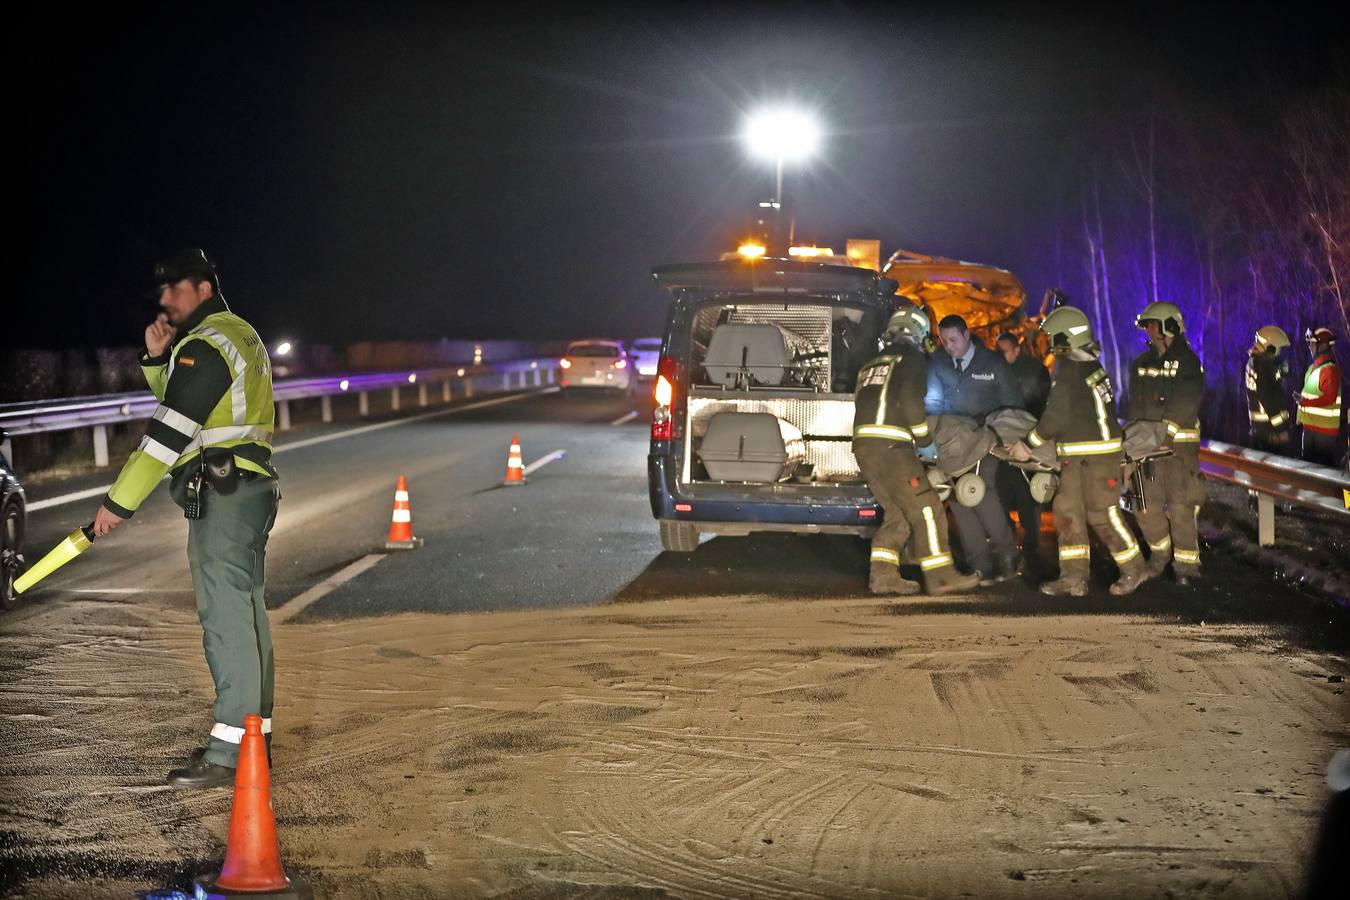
(1320, 448)
(983, 530)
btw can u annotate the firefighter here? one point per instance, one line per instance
(212, 434)
(1267, 396)
(890, 438)
(1319, 405)
(1080, 417)
(1167, 384)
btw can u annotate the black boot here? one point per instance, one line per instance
(199, 773)
(884, 578)
(1007, 565)
(198, 752)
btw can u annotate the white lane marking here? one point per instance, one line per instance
(544, 460)
(125, 590)
(68, 498)
(307, 442)
(626, 417)
(298, 605)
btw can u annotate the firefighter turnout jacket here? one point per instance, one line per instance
(215, 391)
(888, 402)
(1080, 413)
(1169, 389)
(1267, 397)
(1319, 405)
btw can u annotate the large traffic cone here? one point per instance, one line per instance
(515, 466)
(252, 854)
(400, 527)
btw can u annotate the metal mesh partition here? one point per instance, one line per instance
(806, 330)
(826, 424)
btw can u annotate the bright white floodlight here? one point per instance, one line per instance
(782, 135)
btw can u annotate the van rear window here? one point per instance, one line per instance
(783, 347)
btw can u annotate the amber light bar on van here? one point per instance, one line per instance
(663, 415)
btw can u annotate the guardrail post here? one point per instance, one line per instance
(538, 379)
(421, 393)
(550, 375)
(326, 407)
(506, 381)
(445, 390)
(100, 445)
(1265, 520)
(363, 403)
(284, 415)
(393, 399)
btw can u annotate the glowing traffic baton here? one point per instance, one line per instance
(78, 541)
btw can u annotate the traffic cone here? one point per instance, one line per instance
(400, 528)
(252, 854)
(515, 466)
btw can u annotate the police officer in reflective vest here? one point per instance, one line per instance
(1080, 417)
(1319, 404)
(1167, 384)
(890, 437)
(211, 433)
(1267, 396)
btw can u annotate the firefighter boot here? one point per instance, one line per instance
(1156, 564)
(1132, 574)
(949, 581)
(885, 578)
(1066, 586)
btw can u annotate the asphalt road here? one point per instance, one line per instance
(580, 532)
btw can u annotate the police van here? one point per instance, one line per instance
(753, 420)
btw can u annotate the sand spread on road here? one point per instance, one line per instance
(693, 748)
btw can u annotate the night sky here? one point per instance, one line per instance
(400, 171)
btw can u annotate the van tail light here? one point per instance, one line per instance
(663, 415)
(565, 363)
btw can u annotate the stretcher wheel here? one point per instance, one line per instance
(969, 489)
(938, 479)
(1043, 486)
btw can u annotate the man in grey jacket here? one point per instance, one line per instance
(972, 380)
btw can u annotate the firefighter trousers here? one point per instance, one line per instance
(1089, 498)
(1171, 523)
(898, 482)
(226, 552)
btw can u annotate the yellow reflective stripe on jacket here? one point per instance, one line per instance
(1188, 436)
(1074, 551)
(889, 432)
(881, 554)
(1088, 448)
(1034, 438)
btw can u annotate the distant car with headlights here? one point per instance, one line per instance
(13, 519)
(597, 364)
(646, 354)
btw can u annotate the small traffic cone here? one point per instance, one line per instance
(400, 527)
(515, 466)
(252, 854)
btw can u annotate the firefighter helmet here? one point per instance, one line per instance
(1271, 337)
(1166, 314)
(1321, 335)
(910, 322)
(1068, 325)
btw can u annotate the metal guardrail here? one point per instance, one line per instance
(1275, 478)
(98, 412)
